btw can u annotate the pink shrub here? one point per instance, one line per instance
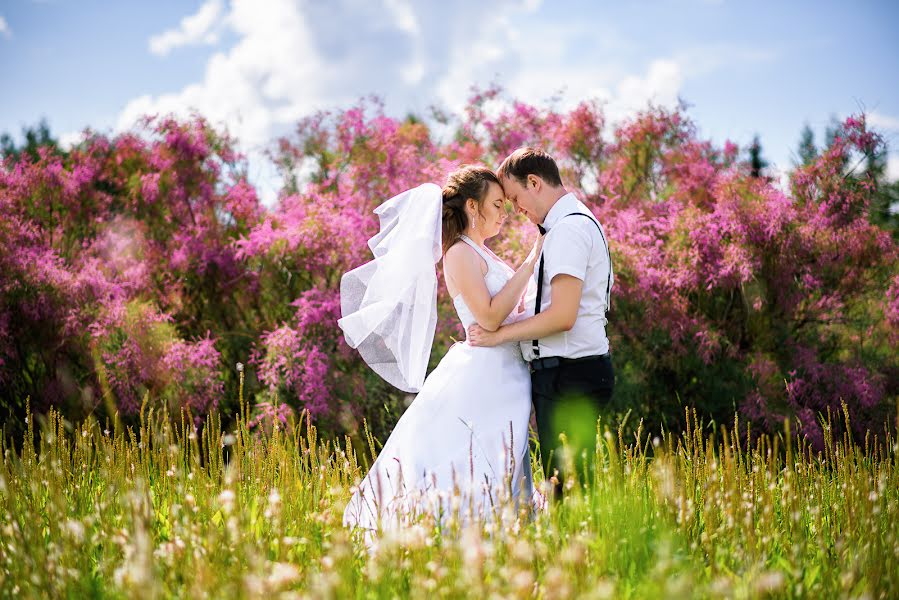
(729, 290)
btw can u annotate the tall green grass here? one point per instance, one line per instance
(106, 511)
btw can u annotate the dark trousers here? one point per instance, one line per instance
(568, 400)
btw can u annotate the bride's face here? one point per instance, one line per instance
(493, 211)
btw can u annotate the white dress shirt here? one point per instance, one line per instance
(573, 246)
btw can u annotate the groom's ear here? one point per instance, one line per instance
(534, 182)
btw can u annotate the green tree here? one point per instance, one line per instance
(35, 137)
(807, 150)
(884, 207)
(756, 162)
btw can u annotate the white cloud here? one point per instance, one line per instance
(5, 31)
(404, 15)
(882, 121)
(407, 22)
(621, 95)
(893, 167)
(198, 28)
(69, 139)
(294, 58)
(702, 60)
(272, 74)
(660, 85)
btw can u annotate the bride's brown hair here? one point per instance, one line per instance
(468, 181)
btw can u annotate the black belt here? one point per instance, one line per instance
(552, 362)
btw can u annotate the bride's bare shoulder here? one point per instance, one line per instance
(460, 256)
(459, 251)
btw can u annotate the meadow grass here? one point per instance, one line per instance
(165, 511)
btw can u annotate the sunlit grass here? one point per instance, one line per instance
(164, 511)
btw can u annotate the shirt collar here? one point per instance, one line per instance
(563, 206)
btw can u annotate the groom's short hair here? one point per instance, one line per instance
(530, 161)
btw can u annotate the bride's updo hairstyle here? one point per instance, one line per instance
(468, 181)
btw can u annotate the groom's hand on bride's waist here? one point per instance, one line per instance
(478, 336)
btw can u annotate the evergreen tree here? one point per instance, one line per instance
(36, 137)
(756, 162)
(807, 150)
(884, 207)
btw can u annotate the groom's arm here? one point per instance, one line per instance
(560, 315)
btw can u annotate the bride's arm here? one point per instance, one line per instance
(561, 315)
(462, 266)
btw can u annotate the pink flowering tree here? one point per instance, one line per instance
(117, 264)
(144, 266)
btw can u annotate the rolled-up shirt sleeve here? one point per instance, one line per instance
(567, 250)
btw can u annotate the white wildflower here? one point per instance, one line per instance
(283, 574)
(227, 500)
(75, 528)
(769, 582)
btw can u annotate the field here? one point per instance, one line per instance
(182, 414)
(107, 511)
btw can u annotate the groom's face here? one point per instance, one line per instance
(522, 198)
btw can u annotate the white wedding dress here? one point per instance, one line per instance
(463, 442)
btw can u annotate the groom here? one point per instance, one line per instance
(565, 341)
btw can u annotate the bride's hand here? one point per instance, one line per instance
(478, 336)
(534, 256)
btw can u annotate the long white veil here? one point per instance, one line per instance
(389, 305)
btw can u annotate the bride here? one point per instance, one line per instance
(462, 445)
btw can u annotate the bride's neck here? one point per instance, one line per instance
(475, 237)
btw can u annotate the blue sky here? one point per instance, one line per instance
(257, 66)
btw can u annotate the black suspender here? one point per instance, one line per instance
(534, 343)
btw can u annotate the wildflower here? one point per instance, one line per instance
(227, 500)
(522, 551)
(283, 574)
(769, 582)
(75, 528)
(274, 504)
